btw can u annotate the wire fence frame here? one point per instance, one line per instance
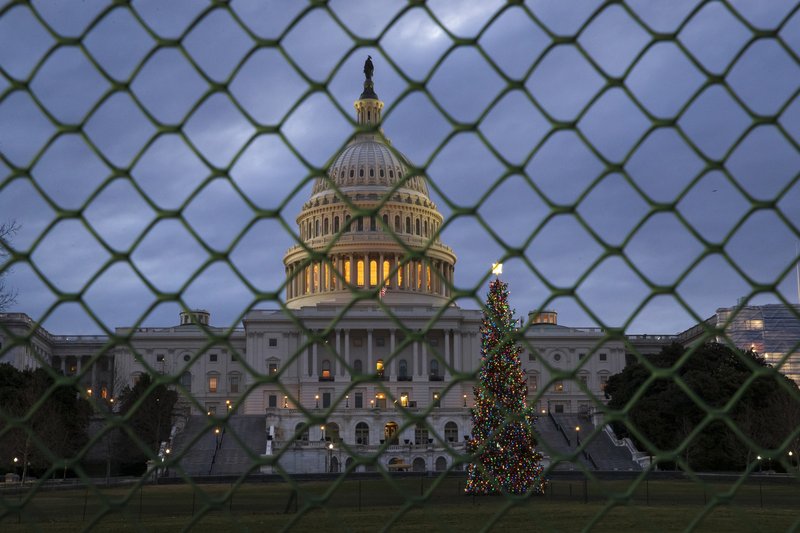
(224, 337)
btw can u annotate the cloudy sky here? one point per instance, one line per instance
(592, 137)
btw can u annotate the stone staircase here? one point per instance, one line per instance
(605, 455)
(194, 446)
(552, 444)
(243, 438)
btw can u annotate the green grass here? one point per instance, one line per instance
(409, 504)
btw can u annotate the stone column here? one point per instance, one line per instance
(370, 364)
(457, 351)
(447, 355)
(381, 279)
(337, 339)
(366, 271)
(347, 345)
(314, 361)
(392, 354)
(414, 359)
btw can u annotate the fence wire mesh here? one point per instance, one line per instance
(124, 107)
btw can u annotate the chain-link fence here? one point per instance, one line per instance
(154, 157)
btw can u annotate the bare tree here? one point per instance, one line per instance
(7, 231)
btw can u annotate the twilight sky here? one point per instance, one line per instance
(565, 163)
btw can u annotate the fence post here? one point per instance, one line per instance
(761, 493)
(585, 490)
(141, 489)
(359, 495)
(85, 502)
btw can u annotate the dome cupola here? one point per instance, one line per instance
(367, 212)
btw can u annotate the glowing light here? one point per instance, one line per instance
(497, 268)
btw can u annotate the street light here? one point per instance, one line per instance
(316, 398)
(285, 402)
(322, 430)
(578, 435)
(347, 400)
(465, 400)
(758, 457)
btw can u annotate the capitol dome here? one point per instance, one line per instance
(369, 226)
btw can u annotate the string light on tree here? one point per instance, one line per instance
(502, 445)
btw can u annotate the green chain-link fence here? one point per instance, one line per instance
(115, 42)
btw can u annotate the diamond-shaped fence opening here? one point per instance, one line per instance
(633, 166)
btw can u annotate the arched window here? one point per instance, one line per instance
(360, 223)
(425, 228)
(352, 173)
(402, 370)
(434, 367)
(332, 432)
(441, 464)
(387, 273)
(408, 225)
(186, 381)
(372, 225)
(360, 172)
(326, 369)
(451, 432)
(325, 226)
(316, 228)
(358, 367)
(391, 432)
(418, 465)
(347, 271)
(362, 433)
(386, 221)
(336, 224)
(360, 273)
(347, 223)
(391, 173)
(417, 226)
(301, 432)
(373, 273)
(372, 173)
(334, 466)
(397, 227)
(381, 172)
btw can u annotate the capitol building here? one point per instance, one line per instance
(371, 361)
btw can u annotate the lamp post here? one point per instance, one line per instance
(329, 463)
(347, 400)
(285, 402)
(577, 435)
(16, 460)
(758, 458)
(316, 399)
(216, 437)
(465, 400)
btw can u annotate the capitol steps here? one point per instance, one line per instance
(605, 454)
(243, 440)
(552, 444)
(194, 446)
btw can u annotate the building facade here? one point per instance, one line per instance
(372, 354)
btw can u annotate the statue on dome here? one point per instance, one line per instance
(368, 68)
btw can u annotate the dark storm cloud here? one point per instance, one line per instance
(218, 156)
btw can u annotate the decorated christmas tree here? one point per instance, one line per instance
(502, 445)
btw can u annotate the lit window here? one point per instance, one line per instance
(347, 271)
(373, 273)
(272, 369)
(212, 383)
(386, 273)
(360, 274)
(380, 400)
(603, 382)
(558, 386)
(437, 399)
(404, 399)
(379, 368)
(533, 383)
(326, 369)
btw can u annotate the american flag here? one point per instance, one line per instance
(383, 291)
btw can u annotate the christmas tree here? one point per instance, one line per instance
(502, 445)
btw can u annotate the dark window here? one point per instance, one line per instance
(603, 357)
(326, 399)
(212, 357)
(360, 224)
(359, 398)
(403, 370)
(273, 369)
(336, 224)
(160, 358)
(273, 401)
(357, 367)
(372, 225)
(362, 433)
(451, 432)
(273, 342)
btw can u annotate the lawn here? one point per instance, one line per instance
(409, 504)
